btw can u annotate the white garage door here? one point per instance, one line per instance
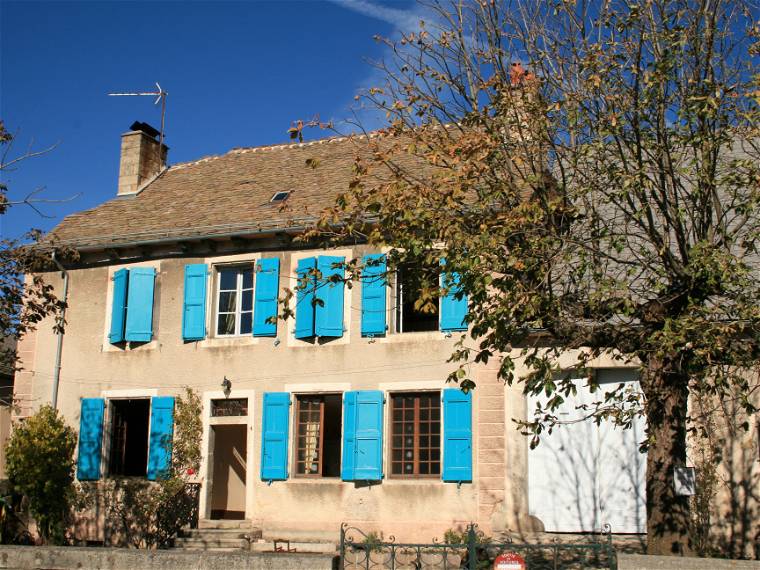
(584, 476)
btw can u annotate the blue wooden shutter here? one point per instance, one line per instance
(265, 303)
(373, 295)
(274, 438)
(457, 435)
(305, 299)
(329, 313)
(90, 439)
(453, 310)
(119, 305)
(194, 307)
(368, 455)
(348, 461)
(161, 432)
(140, 304)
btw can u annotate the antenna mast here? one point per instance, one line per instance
(160, 95)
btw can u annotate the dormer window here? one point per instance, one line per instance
(280, 196)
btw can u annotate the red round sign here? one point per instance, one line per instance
(509, 561)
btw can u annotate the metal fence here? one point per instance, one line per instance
(471, 550)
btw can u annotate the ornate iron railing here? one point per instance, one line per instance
(360, 550)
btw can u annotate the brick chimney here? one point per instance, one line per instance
(140, 162)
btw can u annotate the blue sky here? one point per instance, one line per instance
(237, 74)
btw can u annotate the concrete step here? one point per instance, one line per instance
(295, 546)
(253, 533)
(211, 542)
(223, 524)
(211, 549)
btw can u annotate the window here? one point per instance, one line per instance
(129, 437)
(234, 305)
(229, 407)
(416, 434)
(132, 305)
(318, 435)
(408, 290)
(319, 302)
(280, 196)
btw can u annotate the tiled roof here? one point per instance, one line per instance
(220, 195)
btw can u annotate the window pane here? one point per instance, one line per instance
(228, 279)
(226, 324)
(315, 427)
(227, 302)
(247, 278)
(247, 301)
(245, 323)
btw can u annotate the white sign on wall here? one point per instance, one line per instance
(684, 481)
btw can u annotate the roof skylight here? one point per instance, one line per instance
(280, 196)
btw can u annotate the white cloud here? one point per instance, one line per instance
(403, 20)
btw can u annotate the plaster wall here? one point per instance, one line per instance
(92, 367)
(416, 509)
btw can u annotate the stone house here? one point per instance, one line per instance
(340, 414)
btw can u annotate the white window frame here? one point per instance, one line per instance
(218, 268)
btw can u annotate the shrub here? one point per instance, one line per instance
(40, 466)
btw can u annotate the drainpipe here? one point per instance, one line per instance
(59, 348)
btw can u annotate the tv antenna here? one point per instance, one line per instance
(160, 95)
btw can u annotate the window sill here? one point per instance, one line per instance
(392, 338)
(225, 341)
(126, 478)
(385, 481)
(129, 346)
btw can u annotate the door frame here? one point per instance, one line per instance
(207, 448)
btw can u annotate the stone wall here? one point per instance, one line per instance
(73, 558)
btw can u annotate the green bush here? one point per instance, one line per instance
(40, 467)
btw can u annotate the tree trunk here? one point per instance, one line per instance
(666, 390)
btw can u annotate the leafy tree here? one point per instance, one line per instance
(40, 465)
(603, 198)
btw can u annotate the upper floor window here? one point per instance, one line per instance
(234, 306)
(132, 305)
(320, 295)
(410, 316)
